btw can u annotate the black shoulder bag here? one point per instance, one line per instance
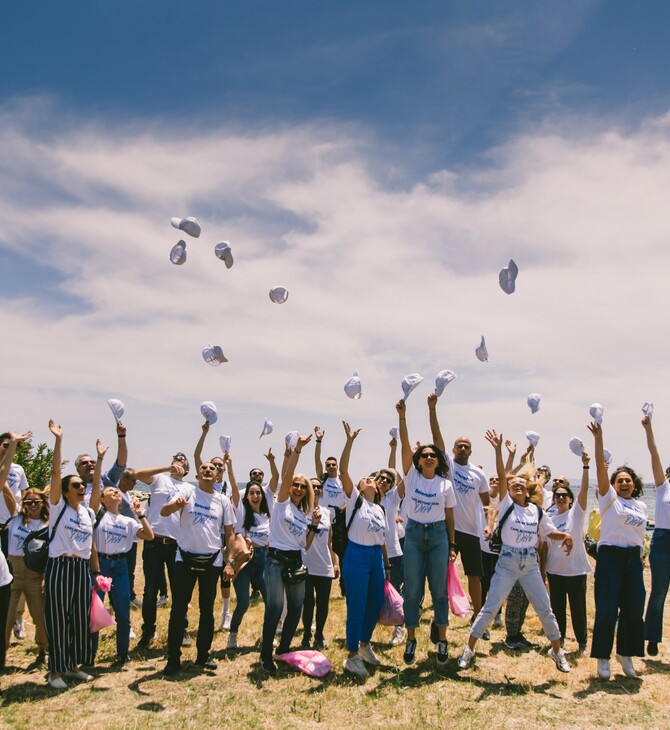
(36, 546)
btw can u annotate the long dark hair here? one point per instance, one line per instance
(249, 513)
(442, 469)
(637, 491)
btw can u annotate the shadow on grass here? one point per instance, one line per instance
(33, 691)
(618, 685)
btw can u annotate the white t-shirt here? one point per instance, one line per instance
(115, 534)
(426, 499)
(369, 523)
(662, 514)
(74, 533)
(333, 494)
(391, 502)
(163, 489)
(16, 478)
(468, 482)
(288, 526)
(5, 573)
(18, 532)
(202, 521)
(259, 532)
(521, 529)
(548, 500)
(577, 563)
(486, 544)
(624, 522)
(318, 559)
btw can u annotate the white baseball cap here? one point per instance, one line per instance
(596, 413)
(393, 433)
(409, 382)
(188, 225)
(481, 352)
(178, 253)
(208, 410)
(648, 409)
(291, 440)
(225, 443)
(533, 401)
(576, 446)
(533, 437)
(224, 252)
(353, 387)
(442, 379)
(118, 409)
(267, 428)
(278, 294)
(507, 277)
(213, 355)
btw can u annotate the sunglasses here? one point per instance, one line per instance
(384, 478)
(207, 468)
(428, 455)
(32, 502)
(298, 485)
(256, 474)
(561, 495)
(86, 461)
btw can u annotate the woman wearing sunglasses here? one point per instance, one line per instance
(429, 535)
(567, 573)
(34, 515)
(292, 527)
(524, 523)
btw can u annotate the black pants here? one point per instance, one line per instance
(182, 586)
(156, 556)
(5, 593)
(320, 586)
(572, 588)
(489, 561)
(131, 562)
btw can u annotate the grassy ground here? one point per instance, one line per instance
(505, 689)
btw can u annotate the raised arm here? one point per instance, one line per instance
(55, 493)
(496, 441)
(234, 489)
(601, 466)
(146, 475)
(179, 502)
(6, 460)
(405, 448)
(656, 466)
(96, 488)
(318, 464)
(347, 484)
(287, 477)
(122, 446)
(434, 422)
(274, 472)
(583, 495)
(197, 454)
(511, 453)
(393, 446)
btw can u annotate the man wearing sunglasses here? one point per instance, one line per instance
(85, 465)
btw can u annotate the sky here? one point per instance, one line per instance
(382, 161)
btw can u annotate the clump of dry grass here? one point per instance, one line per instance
(504, 689)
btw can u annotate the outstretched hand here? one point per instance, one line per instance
(494, 439)
(270, 456)
(319, 432)
(302, 440)
(20, 436)
(57, 431)
(100, 449)
(350, 433)
(595, 429)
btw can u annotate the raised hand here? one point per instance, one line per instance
(595, 429)
(350, 433)
(494, 439)
(432, 401)
(100, 449)
(302, 441)
(510, 446)
(270, 456)
(57, 431)
(585, 458)
(319, 432)
(401, 407)
(120, 430)
(20, 436)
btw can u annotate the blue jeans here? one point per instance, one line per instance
(659, 562)
(426, 556)
(252, 573)
(119, 597)
(619, 592)
(363, 573)
(517, 564)
(274, 604)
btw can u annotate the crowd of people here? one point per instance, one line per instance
(519, 536)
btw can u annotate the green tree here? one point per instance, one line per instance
(36, 462)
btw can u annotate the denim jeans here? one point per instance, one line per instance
(619, 592)
(274, 603)
(155, 557)
(426, 556)
(119, 597)
(252, 573)
(659, 562)
(517, 564)
(363, 572)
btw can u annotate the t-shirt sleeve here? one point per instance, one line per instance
(483, 483)
(546, 525)
(228, 513)
(606, 499)
(449, 496)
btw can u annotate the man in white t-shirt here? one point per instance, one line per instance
(85, 465)
(16, 476)
(472, 495)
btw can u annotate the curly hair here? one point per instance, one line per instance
(637, 491)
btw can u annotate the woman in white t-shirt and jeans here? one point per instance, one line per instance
(619, 585)
(292, 527)
(67, 578)
(518, 561)
(365, 562)
(429, 536)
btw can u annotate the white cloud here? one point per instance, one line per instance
(381, 280)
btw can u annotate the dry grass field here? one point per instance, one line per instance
(505, 689)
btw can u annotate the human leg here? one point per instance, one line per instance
(659, 562)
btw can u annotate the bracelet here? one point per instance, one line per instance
(121, 437)
(143, 516)
(312, 528)
(454, 546)
(402, 419)
(585, 467)
(297, 452)
(387, 567)
(318, 441)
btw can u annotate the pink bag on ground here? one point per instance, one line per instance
(100, 616)
(458, 601)
(392, 613)
(312, 663)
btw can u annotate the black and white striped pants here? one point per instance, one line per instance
(67, 609)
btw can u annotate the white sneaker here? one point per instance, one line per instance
(627, 665)
(162, 601)
(280, 626)
(56, 682)
(604, 668)
(232, 640)
(559, 660)
(186, 641)
(137, 602)
(225, 621)
(366, 653)
(19, 629)
(466, 658)
(354, 664)
(132, 634)
(498, 621)
(79, 674)
(398, 637)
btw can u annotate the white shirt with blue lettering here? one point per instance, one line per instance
(369, 524)
(18, 532)
(426, 499)
(288, 526)
(115, 534)
(520, 529)
(318, 559)
(202, 521)
(74, 532)
(623, 522)
(469, 482)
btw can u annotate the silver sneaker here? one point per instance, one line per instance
(604, 668)
(232, 640)
(559, 660)
(186, 641)
(162, 601)
(627, 665)
(354, 665)
(367, 654)
(398, 637)
(19, 629)
(466, 658)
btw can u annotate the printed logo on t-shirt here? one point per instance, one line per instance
(423, 506)
(113, 534)
(295, 527)
(632, 515)
(463, 482)
(525, 531)
(202, 514)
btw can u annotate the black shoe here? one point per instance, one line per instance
(511, 642)
(410, 651)
(305, 643)
(206, 663)
(144, 641)
(320, 644)
(434, 633)
(120, 661)
(442, 655)
(652, 648)
(172, 668)
(523, 642)
(41, 658)
(267, 665)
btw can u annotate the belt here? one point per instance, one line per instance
(115, 556)
(284, 554)
(164, 540)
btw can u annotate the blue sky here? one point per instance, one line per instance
(381, 159)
